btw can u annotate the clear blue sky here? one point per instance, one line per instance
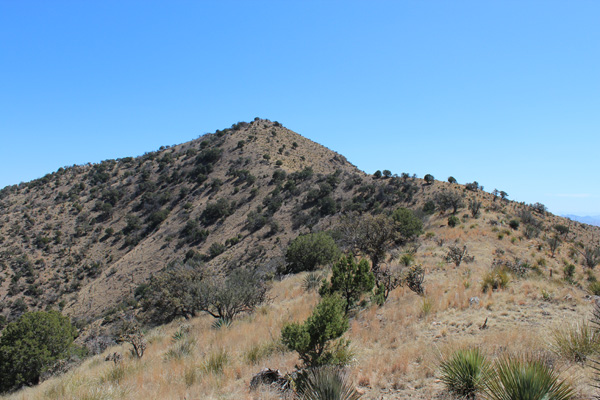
(506, 93)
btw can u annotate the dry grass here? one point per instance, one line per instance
(397, 347)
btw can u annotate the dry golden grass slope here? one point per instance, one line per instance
(88, 271)
(397, 347)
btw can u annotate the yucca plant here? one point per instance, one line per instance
(576, 342)
(595, 364)
(312, 281)
(325, 383)
(525, 378)
(181, 333)
(221, 323)
(466, 372)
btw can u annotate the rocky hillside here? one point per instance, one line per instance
(83, 238)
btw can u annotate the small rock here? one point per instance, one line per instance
(270, 377)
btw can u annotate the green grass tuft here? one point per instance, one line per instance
(525, 378)
(576, 342)
(465, 372)
(216, 362)
(325, 383)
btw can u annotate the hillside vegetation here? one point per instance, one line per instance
(209, 257)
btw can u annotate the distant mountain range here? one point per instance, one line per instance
(590, 220)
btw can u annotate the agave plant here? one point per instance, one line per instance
(525, 378)
(466, 372)
(325, 383)
(181, 333)
(312, 281)
(221, 323)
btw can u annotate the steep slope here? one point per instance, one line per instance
(84, 238)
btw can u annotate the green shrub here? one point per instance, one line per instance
(429, 207)
(279, 175)
(569, 272)
(576, 342)
(214, 211)
(216, 249)
(350, 280)
(594, 288)
(453, 221)
(525, 378)
(514, 224)
(407, 224)
(562, 229)
(325, 383)
(307, 252)
(255, 221)
(192, 233)
(32, 344)
(313, 338)
(156, 218)
(466, 372)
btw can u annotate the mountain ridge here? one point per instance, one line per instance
(85, 237)
(96, 200)
(587, 219)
